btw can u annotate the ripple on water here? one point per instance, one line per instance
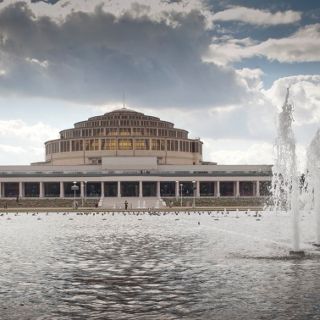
(167, 269)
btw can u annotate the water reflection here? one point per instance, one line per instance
(154, 268)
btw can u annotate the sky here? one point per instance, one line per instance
(218, 68)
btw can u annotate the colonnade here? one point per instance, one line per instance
(139, 188)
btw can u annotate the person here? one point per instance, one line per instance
(126, 205)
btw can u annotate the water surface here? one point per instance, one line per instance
(155, 267)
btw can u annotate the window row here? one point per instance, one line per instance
(101, 132)
(123, 144)
(129, 122)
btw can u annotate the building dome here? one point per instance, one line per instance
(123, 132)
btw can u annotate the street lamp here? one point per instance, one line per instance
(194, 194)
(181, 185)
(74, 188)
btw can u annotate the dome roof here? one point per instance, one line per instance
(123, 109)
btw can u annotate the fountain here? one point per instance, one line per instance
(313, 180)
(285, 186)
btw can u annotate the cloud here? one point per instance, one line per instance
(18, 129)
(301, 46)
(95, 57)
(155, 9)
(16, 150)
(231, 151)
(251, 78)
(304, 94)
(257, 16)
(240, 151)
(24, 143)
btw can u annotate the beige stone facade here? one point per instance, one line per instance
(123, 133)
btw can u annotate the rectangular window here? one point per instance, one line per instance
(162, 145)
(111, 144)
(93, 144)
(125, 144)
(125, 131)
(155, 144)
(111, 132)
(64, 146)
(141, 144)
(77, 145)
(176, 147)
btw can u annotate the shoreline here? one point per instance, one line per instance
(105, 210)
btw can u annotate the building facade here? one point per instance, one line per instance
(124, 133)
(127, 156)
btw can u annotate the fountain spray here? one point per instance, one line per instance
(313, 178)
(285, 184)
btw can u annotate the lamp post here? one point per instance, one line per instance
(194, 194)
(181, 185)
(74, 188)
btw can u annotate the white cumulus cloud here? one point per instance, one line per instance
(304, 94)
(301, 46)
(257, 16)
(24, 143)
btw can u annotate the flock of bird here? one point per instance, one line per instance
(215, 214)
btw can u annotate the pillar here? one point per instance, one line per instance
(119, 189)
(0, 189)
(102, 189)
(41, 190)
(197, 189)
(21, 190)
(61, 189)
(82, 189)
(140, 189)
(237, 188)
(177, 189)
(217, 191)
(258, 188)
(158, 190)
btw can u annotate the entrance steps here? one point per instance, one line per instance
(133, 203)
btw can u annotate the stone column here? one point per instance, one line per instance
(237, 188)
(177, 189)
(82, 189)
(140, 189)
(41, 189)
(0, 189)
(61, 189)
(21, 190)
(197, 189)
(158, 190)
(218, 194)
(258, 188)
(102, 189)
(119, 189)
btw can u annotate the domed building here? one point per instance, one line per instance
(127, 157)
(123, 133)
